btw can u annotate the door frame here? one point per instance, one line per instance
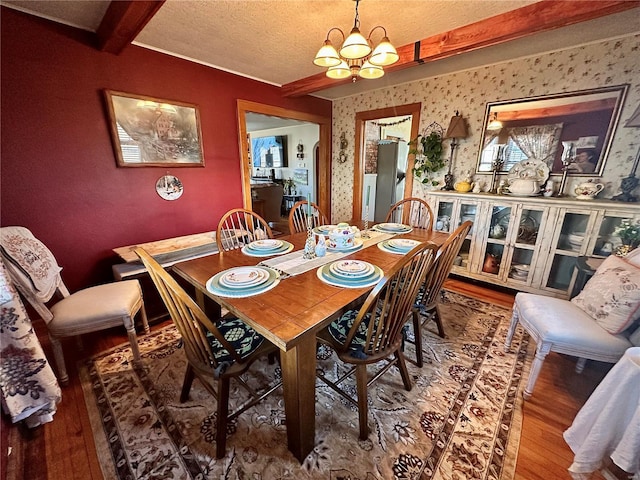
(412, 109)
(323, 194)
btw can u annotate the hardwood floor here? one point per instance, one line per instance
(64, 448)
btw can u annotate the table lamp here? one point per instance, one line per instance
(457, 129)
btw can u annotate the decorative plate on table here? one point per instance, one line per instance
(265, 248)
(244, 277)
(357, 245)
(392, 228)
(240, 282)
(399, 246)
(351, 269)
(323, 229)
(529, 169)
(326, 275)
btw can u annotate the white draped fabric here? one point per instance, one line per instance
(608, 425)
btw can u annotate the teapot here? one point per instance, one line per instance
(588, 190)
(463, 186)
(524, 186)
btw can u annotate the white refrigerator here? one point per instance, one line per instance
(391, 172)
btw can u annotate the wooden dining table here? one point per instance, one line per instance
(289, 316)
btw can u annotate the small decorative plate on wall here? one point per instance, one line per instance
(169, 187)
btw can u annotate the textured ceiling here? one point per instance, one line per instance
(275, 40)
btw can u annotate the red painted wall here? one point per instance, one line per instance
(58, 170)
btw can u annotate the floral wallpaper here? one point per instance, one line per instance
(606, 63)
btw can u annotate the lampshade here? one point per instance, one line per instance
(339, 71)
(457, 127)
(384, 54)
(355, 46)
(370, 71)
(503, 137)
(634, 119)
(327, 56)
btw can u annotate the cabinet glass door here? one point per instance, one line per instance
(607, 241)
(492, 255)
(444, 216)
(569, 242)
(525, 237)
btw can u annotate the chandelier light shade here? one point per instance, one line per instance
(356, 57)
(494, 123)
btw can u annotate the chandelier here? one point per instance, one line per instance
(356, 58)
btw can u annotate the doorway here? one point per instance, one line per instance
(323, 162)
(359, 169)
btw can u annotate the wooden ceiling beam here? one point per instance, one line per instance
(123, 21)
(522, 22)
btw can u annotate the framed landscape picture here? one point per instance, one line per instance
(151, 132)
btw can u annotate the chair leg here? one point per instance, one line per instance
(63, 376)
(580, 365)
(223, 412)
(512, 329)
(363, 406)
(404, 373)
(133, 340)
(186, 384)
(417, 335)
(436, 318)
(541, 353)
(145, 322)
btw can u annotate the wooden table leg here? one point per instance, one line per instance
(299, 379)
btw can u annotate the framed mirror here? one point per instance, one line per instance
(573, 128)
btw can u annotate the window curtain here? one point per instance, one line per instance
(538, 142)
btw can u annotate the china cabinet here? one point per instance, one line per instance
(529, 243)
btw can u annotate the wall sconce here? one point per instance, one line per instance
(457, 129)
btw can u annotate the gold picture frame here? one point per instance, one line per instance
(152, 132)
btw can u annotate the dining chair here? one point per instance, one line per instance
(36, 274)
(216, 352)
(430, 291)
(411, 211)
(238, 227)
(374, 332)
(298, 217)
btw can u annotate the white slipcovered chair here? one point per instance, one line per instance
(36, 274)
(601, 323)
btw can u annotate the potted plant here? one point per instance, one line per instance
(428, 156)
(629, 234)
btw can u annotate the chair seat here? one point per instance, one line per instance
(95, 308)
(339, 329)
(244, 340)
(567, 327)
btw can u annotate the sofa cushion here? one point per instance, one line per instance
(612, 295)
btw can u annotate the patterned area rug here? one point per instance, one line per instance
(461, 420)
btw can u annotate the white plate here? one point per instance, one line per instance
(265, 244)
(324, 274)
(252, 252)
(323, 229)
(357, 243)
(403, 243)
(529, 169)
(214, 286)
(351, 268)
(243, 277)
(394, 227)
